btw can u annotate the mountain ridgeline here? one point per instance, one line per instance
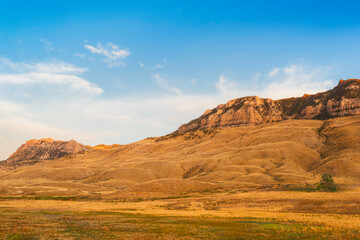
(343, 100)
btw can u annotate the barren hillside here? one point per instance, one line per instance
(291, 151)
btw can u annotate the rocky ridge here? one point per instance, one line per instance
(342, 100)
(44, 149)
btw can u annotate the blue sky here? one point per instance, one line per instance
(120, 71)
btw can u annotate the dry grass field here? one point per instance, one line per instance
(236, 215)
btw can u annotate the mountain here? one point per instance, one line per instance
(296, 146)
(343, 100)
(259, 156)
(44, 149)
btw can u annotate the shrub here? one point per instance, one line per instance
(327, 183)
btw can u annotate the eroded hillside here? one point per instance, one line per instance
(291, 151)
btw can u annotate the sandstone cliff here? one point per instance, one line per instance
(44, 149)
(343, 100)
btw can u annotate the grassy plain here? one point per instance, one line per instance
(211, 215)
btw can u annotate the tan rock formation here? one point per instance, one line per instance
(343, 100)
(44, 149)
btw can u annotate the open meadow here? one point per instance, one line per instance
(210, 215)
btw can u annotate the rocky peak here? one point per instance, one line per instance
(342, 100)
(44, 149)
(39, 141)
(343, 82)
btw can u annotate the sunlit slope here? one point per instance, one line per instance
(341, 151)
(293, 151)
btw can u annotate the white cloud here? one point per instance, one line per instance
(163, 83)
(274, 72)
(296, 80)
(160, 79)
(80, 55)
(290, 81)
(256, 77)
(228, 89)
(74, 82)
(157, 66)
(48, 67)
(141, 64)
(50, 73)
(45, 41)
(113, 54)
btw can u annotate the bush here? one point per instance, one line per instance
(327, 183)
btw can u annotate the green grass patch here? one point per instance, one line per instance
(120, 225)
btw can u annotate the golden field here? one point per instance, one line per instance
(235, 215)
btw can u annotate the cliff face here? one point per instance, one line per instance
(44, 149)
(343, 100)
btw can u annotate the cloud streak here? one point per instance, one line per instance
(113, 54)
(48, 45)
(52, 73)
(164, 84)
(160, 79)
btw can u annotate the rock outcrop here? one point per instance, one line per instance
(44, 149)
(343, 100)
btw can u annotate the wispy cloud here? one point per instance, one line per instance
(225, 87)
(141, 64)
(114, 56)
(156, 67)
(80, 55)
(161, 79)
(58, 73)
(296, 80)
(274, 72)
(48, 45)
(163, 83)
(291, 81)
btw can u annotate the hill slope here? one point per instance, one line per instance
(292, 151)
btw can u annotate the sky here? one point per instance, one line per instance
(120, 71)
